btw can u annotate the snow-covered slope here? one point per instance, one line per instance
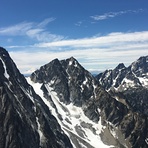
(81, 130)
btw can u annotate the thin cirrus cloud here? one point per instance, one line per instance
(18, 29)
(117, 39)
(79, 23)
(113, 14)
(36, 31)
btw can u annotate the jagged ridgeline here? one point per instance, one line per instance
(61, 105)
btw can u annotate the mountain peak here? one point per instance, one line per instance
(3, 52)
(72, 58)
(71, 62)
(6, 64)
(140, 67)
(61, 74)
(143, 59)
(120, 66)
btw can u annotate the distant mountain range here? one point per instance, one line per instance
(130, 83)
(61, 105)
(122, 78)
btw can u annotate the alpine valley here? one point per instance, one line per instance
(62, 105)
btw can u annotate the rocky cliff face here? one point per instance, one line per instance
(25, 121)
(68, 87)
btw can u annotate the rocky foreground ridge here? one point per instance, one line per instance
(25, 121)
(66, 107)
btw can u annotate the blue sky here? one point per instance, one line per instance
(98, 33)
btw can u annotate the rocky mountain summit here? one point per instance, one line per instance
(61, 105)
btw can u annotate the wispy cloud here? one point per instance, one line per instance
(32, 30)
(117, 38)
(113, 14)
(79, 23)
(18, 29)
(46, 22)
(95, 53)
